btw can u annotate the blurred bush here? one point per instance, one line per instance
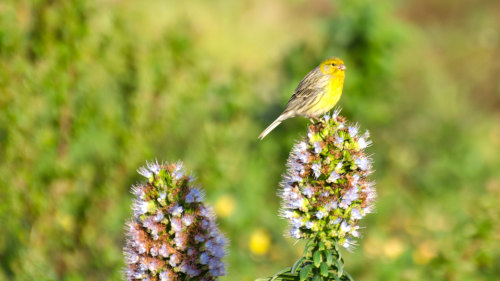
(89, 90)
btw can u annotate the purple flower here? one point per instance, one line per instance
(176, 210)
(353, 130)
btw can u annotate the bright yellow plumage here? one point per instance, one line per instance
(317, 93)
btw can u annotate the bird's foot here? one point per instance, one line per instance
(313, 118)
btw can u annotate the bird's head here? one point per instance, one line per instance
(333, 66)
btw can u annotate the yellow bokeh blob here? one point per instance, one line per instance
(224, 206)
(393, 248)
(425, 252)
(260, 241)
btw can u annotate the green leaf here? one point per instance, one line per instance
(317, 258)
(316, 278)
(349, 276)
(321, 246)
(297, 264)
(339, 268)
(328, 257)
(279, 273)
(304, 272)
(324, 269)
(338, 251)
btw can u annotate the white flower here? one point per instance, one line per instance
(176, 225)
(159, 216)
(333, 177)
(355, 179)
(332, 205)
(339, 166)
(336, 221)
(163, 195)
(154, 167)
(187, 220)
(363, 163)
(348, 244)
(335, 114)
(316, 167)
(339, 141)
(345, 227)
(153, 251)
(174, 260)
(320, 214)
(296, 204)
(295, 233)
(309, 225)
(355, 214)
(303, 157)
(308, 192)
(145, 172)
(165, 276)
(177, 173)
(317, 148)
(362, 143)
(309, 135)
(301, 146)
(297, 222)
(141, 207)
(163, 251)
(287, 214)
(354, 231)
(349, 196)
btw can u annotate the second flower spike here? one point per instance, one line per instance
(173, 235)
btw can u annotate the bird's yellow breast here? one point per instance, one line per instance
(330, 97)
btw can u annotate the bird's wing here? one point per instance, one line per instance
(307, 91)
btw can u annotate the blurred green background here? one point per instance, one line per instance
(90, 90)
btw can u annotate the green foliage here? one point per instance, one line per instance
(89, 90)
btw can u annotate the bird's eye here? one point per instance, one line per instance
(333, 64)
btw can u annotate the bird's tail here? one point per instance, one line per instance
(274, 124)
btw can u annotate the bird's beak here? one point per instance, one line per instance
(342, 67)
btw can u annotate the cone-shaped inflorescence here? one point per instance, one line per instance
(326, 190)
(173, 235)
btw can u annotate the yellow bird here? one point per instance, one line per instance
(317, 93)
